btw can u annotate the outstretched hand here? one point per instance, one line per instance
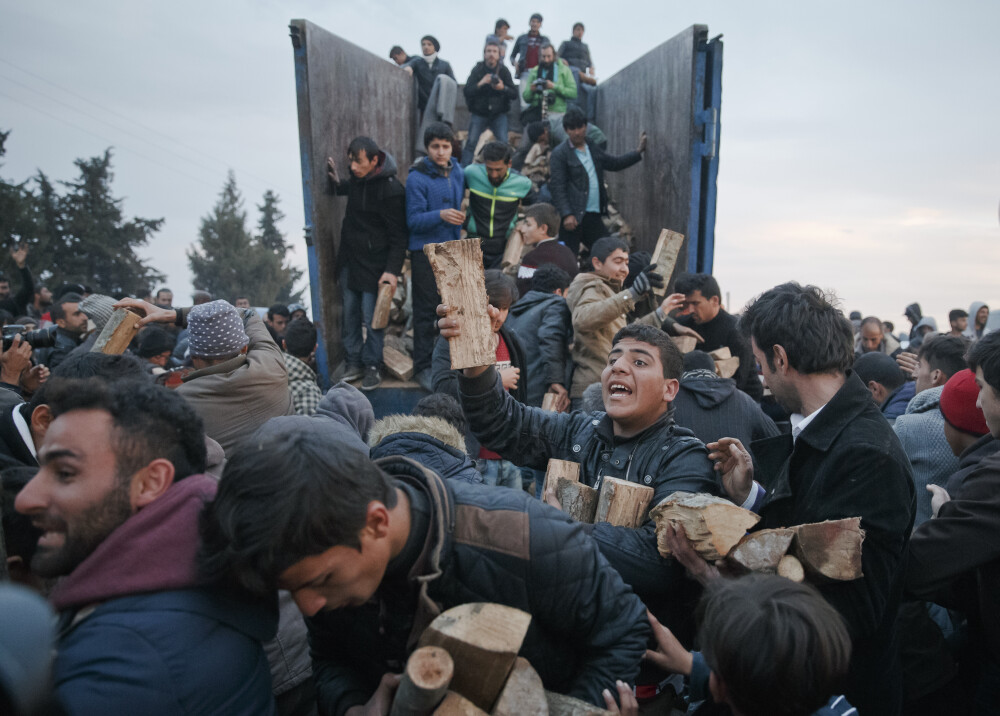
(449, 326)
(670, 654)
(149, 312)
(735, 466)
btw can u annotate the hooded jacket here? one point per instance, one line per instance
(968, 460)
(373, 234)
(569, 183)
(544, 326)
(970, 331)
(895, 404)
(921, 433)
(493, 209)
(503, 546)
(137, 635)
(713, 407)
(486, 101)
(433, 442)
(723, 332)
(428, 191)
(348, 406)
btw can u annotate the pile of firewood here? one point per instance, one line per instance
(618, 502)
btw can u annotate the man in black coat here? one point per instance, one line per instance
(373, 241)
(373, 551)
(576, 181)
(841, 460)
(488, 94)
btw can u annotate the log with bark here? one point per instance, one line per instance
(383, 305)
(457, 705)
(397, 363)
(523, 694)
(623, 503)
(714, 525)
(761, 551)
(668, 246)
(513, 251)
(424, 683)
(727, 367)
(560, 468)
(577, 500)
(830, 550)
(118, 332)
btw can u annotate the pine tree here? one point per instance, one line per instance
(270, 237)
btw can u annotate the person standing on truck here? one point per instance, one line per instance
(488, 94)
(527, 47)
(495, 193)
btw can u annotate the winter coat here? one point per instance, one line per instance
(425, 74)
(486, 101)
(302, 384)
(349, 407)
(543, 324)
(483, 545)
(565, 88)
(921, 433)
(549, 251)
(576, 53)
(14, 450)
(713, 407)
(373, 235)
(568, 180)
(954, 558)
(599, 307)
(723, 332)
(970, 331)
(493, 209)
(137, 635)
(65, 343)
(969, 460)
(895, 405)
(428, 191)
(433, 442)
(848, 463)
(237, 396)
(519, 53)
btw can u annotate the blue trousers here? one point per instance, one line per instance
(358, 309)
(477, 125)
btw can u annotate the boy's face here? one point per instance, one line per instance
(614, 267)
(439, 150)
(632, 384)
(496, 323)
(532, 232)
(361, 164)
(427, 47)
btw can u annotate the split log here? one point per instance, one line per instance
(721, 354)
(457, 705)
(383, 304)
(727, 367)
(560, 468)
(713, 524)
(549, 401)
(830, 550)
(523, 694)
(685, 344)
(483, 640)
(118, 332)
(623, 503)
(458, 271)
(791, 568)
(397, 363)
(668, 246)
(514, 249)
(763, 550)
(563, 705)
(579, 501)
(424, 683)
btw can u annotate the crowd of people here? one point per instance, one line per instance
(214, 533)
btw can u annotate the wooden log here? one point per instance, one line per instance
(830, 550)
(579, 501)
(549, 401)
(623, 503)
(563, 705)
(397, 363)
(512, 252)
(523, 694)
(560, 468)
(685, 344)
(668, 246)
(457, 705)
(483, 640)
(721, 354)
(713, 524)
(458, 271)
(383, 304)
(424, 683)
(761, 551)
(118, 332)
(727, 367)
(791, 568)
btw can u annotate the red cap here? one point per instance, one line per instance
(958, 403)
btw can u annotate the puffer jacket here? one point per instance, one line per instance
(503, 546)
(599, 307)
(428, 191)
(433, 442)
(544, 326)
(493, 209)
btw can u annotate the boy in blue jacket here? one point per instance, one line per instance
(434, 190)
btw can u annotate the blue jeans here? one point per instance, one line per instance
(358, 308)
(477, 125)
(586, 96)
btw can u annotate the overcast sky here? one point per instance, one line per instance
(859, 147)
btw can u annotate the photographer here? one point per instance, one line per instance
(488, 93)
(551, 80)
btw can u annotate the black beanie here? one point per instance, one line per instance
(437, 45)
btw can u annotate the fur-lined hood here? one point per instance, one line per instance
(437, 428)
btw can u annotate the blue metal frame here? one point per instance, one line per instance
(706, 105)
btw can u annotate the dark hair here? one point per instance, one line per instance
(548, 278)
(802, 320)
(879, 367)
(574, 118)
(434, 41)
(259, 526)
(58, 311)
(20, 536)
(278, 309)
(163, 290)
(872, 321)
(150, 422)
(536, 16)
(698, 360)
(888, 326)
(944, 353)
(500, 23)
(200, 296)
(985, 354)
(497, 152)
(444, 406)
(108, 368)
(492, 43)
(501, 289)
(300, 337)
(238, 297)
(6, 316)
(779, 648)
(547, 46)
(395, 50)
(956, 313)
(362, 144)
(154, 340)
(578, 24)
(545, 214)
(606, 246)
(438, 130)
(703, 282)
(536, 130)
(670, 355)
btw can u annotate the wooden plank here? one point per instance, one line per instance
(118, 332)
(483, 640)
(563, 705)
(727, 367)
(458, 271)
(397, 363)
(685, 344)
(383, 304)
(424, 683)
(830, 550)
(761, 551)
(560, 468)
(713, 524)
(514, 249)
(668, 246)
(549, 401)
(721, 354)
(523, 694)
(579, 501)
(457, 705)
(623, 503)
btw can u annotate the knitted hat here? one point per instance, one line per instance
(434, 41)
(153, 341)
(958, 403)
(98, 308)
(216, 329)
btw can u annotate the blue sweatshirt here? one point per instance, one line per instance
(428, 191)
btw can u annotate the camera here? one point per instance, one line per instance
(45, 338)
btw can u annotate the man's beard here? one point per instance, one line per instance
(88, 531)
